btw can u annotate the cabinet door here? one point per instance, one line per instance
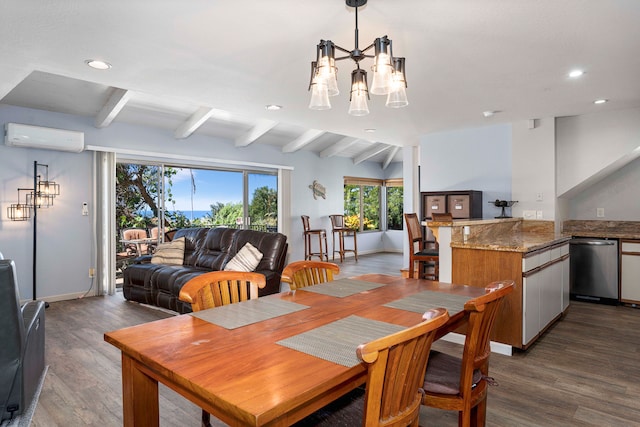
(566, 290)
(630, 278)
(550, 293)
(530, 307)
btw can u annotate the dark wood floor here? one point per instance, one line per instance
(584, 371)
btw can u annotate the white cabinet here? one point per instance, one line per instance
(630, 271)
(545, 289)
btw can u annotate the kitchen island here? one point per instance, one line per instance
(529, 252)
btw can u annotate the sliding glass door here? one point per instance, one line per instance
(169, 197)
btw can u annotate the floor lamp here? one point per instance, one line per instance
(40, 196)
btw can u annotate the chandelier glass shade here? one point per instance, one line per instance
(388, 73)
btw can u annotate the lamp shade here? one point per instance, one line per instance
(326, 66)
(19, 212)
(382, 67)
(48, 188)
(359, 93)
(319, 96)
(397, 97)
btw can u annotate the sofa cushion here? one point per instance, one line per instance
(273, 247)
(247, 259)
(193, 239)
(171, 253)
(212, 253)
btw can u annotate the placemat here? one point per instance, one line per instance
(426, 300)
(337, 341)
(342, 287)
(244, 313)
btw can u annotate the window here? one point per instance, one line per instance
(373, 204)
(394, 203)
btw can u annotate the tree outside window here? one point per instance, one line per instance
(394, 203)
(364, 204)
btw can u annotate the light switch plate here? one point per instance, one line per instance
(600, 212)
(538, 214)
(529, 214)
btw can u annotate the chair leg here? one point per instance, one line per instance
(333, 245)
(355, 245)
(206, 419)
(341, 234)
(326, 247)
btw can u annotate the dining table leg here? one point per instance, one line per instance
(139, 396)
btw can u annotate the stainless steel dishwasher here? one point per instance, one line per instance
(594, 270)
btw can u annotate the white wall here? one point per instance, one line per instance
(533, 163)
(65, 243)
(591, 146)
(469, 159)
(618, 194)
(64, 236)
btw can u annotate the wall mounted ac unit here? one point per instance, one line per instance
(27, 136)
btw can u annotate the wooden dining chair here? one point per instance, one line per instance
(417, 251)
(395, 372)
(338, 227)
(308, 233)
(300, 274)
(460, 383)
(219, 288)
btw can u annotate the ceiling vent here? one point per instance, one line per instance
(27, 136)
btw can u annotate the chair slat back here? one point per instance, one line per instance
(219, 288)
(300, 274)
(337, 221)
(414, 228)
(305, 222)
(396, 368)
(481, 313)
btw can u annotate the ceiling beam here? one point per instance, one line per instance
(390, 157)
(261, 127)
(196, 120)
(306, 138)
(338, 147)
(112, 108)
(379, 148)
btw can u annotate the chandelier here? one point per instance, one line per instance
(388, 73)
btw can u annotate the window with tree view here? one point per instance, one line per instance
(373, 204)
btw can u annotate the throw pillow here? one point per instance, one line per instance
(247, 259)
(169, 253)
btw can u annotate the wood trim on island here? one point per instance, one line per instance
(475, 267)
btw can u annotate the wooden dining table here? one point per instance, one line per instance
(247, 371)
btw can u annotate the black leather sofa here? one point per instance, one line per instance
(206, 249)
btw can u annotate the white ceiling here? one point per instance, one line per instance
(175, 62)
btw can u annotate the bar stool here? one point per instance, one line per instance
(337, 226)
(322, 235)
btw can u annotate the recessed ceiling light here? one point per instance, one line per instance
(370, 130)
(576, 73)
(97, 64)
(488, 113)
(600, 101)
(273, 107)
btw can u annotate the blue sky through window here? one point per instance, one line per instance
(213, 186)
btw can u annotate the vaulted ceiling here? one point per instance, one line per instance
(210, 67)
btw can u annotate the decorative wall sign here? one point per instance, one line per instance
(318, 190)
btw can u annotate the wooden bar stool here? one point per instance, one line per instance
(337, 226)
(323, 253)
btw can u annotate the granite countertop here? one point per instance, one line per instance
(516, 242)
(602, 229)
